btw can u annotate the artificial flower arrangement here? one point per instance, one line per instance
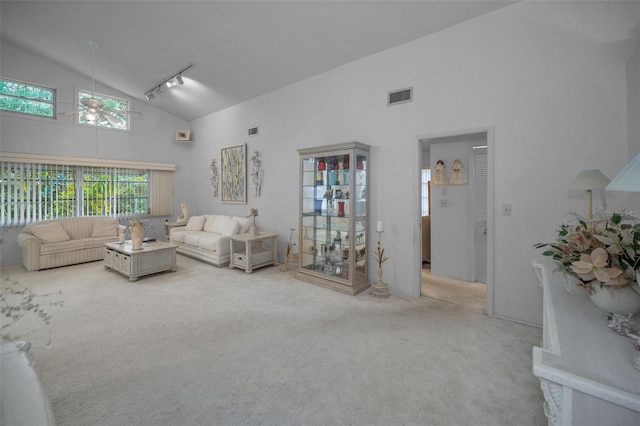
(253, 214)
(379, 255)
(290, 243)
(136, 225)
(602, 252)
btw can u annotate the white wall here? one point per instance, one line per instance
(152, 139)
(557, 105)
(633, 109)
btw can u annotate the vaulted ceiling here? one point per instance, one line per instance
(240, 49)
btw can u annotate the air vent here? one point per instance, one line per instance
(253, 131)
(400, 96)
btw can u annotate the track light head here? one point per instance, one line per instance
(172, 81)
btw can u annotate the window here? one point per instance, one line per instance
(110, 117)
(27, 98)
(32, 191)
(426, 179)
(110, 191)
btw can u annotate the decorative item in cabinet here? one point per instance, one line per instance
(333, 246)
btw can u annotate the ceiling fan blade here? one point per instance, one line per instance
(113, 119)
(122, 111)
(73, 112)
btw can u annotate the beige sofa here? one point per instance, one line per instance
(206, 237)
(66, 241)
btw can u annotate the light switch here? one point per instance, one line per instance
(506, 209)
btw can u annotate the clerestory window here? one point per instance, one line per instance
(103, 111)
(25, 98)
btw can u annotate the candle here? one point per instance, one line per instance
(379, 229)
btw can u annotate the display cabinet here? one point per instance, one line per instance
(333, 216)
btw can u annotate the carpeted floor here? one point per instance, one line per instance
(470, 294)
(214, 346)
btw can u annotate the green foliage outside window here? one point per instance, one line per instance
(112, 193)
(49, 192)
(119, 121)
(27, 99)
(45, 191)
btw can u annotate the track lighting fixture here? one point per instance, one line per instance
(170, 82)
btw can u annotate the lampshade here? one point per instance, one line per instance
(589, 179)
(586, 181)
(628, 180)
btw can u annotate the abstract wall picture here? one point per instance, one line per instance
(233, 170)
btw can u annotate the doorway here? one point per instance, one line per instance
(456, 233)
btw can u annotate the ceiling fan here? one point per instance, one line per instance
(92, 109)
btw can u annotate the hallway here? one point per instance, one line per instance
(472, 295)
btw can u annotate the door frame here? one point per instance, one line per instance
(417, 275)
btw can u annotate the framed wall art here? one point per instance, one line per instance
(233, 172)
(183, 135)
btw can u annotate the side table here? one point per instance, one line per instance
(255, 254)
(168, 226)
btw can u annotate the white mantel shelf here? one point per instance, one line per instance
(585, 368)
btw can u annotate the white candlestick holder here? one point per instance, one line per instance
(380, 289)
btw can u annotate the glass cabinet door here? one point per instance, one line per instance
(333, 222)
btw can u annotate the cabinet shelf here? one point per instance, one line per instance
(333, 216)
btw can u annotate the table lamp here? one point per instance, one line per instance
(586, 181)
(628, 180)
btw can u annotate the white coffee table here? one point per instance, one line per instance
(153, 257)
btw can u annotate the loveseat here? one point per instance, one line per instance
(206, 237)
(66, 241)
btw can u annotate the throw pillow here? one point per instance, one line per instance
(208, 223)
(232, 228)
(245, 223)
(105, 228)
(195, 223)
(49, 233)
(223, 225)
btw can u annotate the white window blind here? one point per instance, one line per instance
(111, 191)
(31, 192)
(161, 193)
(47, 187)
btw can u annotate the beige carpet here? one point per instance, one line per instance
(469, 294)
(214, 346)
